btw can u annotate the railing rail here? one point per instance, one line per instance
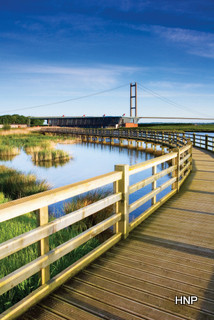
(176, 164)
(201, 141)
(174, 139)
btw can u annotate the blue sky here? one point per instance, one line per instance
(59, 50)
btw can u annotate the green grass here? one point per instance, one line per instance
(10, 229)
(15, 184)
(2, 198)
(178, 127)
(17, 226)
(32, 140)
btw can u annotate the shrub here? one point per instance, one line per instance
(6, 127)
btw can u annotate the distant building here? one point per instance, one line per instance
(91, 122)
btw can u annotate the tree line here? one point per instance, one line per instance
(19, 119)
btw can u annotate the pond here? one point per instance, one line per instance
(88, 160)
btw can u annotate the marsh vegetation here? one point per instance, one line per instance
(40, 147)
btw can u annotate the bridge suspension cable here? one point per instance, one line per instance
(67, 100)
(169, 101)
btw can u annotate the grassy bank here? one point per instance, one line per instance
(179, 127)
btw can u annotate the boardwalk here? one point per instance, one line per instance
(170, 254)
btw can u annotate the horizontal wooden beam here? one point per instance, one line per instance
(9, 247)
(150, 195)
(185, 158)
(150, 210)
(35, 266)
(137, 186)
(43, 291)
(150, 163)
(24, 205)
(184, 169)
(185, 148)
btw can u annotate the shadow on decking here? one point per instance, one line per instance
(178, 246)
(189, 210)
(209, 288)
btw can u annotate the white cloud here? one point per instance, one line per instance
(195, 42)
(98, 76)
(172, 85)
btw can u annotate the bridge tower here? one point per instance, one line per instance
(133, 95)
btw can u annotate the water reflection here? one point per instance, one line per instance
(49, 164)
(89, 160)
(7, 157)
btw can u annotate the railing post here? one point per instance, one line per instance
(183, 137)
(190, 151)
(176, 173)
(154, 183)
(178, 169)
(206, 141)
(193, 139)
(123, 205)
(44, 243)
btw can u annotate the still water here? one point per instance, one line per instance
(88, 160)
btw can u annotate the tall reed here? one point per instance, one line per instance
(15, 184)
(50, 155)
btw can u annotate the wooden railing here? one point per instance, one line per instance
(201, 141)
(176, 165)
(170, 139)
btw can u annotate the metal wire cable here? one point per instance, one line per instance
(64, 101)
(169, 101)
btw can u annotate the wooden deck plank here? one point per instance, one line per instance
(151, 259)
(170, 254)
(154, 279)
(148, 298)
(127, 304)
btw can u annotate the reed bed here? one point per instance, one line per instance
(8, 152)
(50, 156)
(33, 140)
(44, 145)
(15, 184)
(51, 164)
(41, 147)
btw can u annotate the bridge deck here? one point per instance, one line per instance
(170, 254)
